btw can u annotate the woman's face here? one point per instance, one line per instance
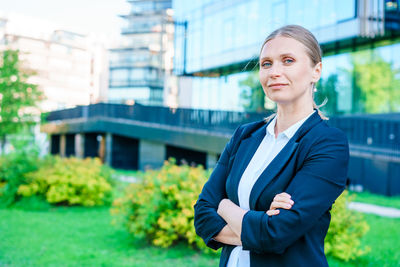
(286, 72)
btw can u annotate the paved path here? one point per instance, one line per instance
(375, 209)
(126, 178)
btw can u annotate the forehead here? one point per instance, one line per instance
(283, 45)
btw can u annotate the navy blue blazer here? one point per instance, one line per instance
(312, 168)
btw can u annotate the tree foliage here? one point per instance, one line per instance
(18, 98)
(326, 91)
(252, 93)
(376, 84)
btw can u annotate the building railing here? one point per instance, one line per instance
(372, 130)
(144, 63)
(136, 83)
(380, 131)
(212, 120)
(149, 30)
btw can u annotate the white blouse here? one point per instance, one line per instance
(269, 147)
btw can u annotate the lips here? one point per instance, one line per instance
(277, 85)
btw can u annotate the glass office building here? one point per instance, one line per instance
(139, 66)
(218, 47)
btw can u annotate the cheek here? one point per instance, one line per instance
(302, 76)
(263, 77)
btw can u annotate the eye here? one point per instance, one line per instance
(266, 64)
(288, 60)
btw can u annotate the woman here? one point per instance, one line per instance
(268, 200)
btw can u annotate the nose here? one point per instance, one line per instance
(275, 70)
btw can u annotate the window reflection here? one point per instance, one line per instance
(221, 32)
(365, 81)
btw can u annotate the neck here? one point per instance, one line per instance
(287, 115)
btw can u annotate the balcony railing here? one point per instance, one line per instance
(135, 64)
(381, 131)
(136, 83)
(213, 120)
(152, 30)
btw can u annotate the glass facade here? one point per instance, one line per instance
(364, 81)
(139, 66)
(222, 39)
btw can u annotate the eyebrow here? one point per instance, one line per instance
(282, 56)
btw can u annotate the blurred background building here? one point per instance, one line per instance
(215, 46)
(140, 68)
(70, 68)
(220, 47)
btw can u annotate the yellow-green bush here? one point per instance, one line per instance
(160, 209)
(160, 206)
(69, 181)
(343, 240)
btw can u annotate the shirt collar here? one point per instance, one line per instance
(289, 132)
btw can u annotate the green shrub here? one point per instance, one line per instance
(33, 203)
(14, 166)
(347, 227)
(159, 208)
(69, 181)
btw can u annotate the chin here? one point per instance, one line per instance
(280, 99)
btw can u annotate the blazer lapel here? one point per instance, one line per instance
(281, 159)
(271, 171)
(245, 152)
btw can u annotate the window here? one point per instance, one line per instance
(345, 9)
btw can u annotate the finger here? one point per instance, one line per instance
(285, 195)
(280, 198)
(272, 212)
(280, 205)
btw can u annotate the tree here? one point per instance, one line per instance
(376, 86)
(326, 89)
(252, 93)
(18, 98)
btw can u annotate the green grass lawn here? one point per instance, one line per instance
(369, 198)
(81, 237)
(383, 238)
(85, 237)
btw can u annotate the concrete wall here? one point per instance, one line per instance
(151, 154)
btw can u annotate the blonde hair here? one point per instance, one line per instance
(313, 50)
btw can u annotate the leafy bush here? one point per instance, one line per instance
(33, 203)
(160, 206)
(160, 209)
(69, 181)
(14, 166)
(343, 240)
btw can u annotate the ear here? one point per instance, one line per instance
(316, 72)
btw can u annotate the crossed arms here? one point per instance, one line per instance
(314, 188)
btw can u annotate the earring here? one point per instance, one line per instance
(314, 88)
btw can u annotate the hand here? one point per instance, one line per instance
(281, 201)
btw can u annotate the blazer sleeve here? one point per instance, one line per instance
(314, 188)
(206, 220)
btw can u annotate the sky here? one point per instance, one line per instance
(83, 16)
